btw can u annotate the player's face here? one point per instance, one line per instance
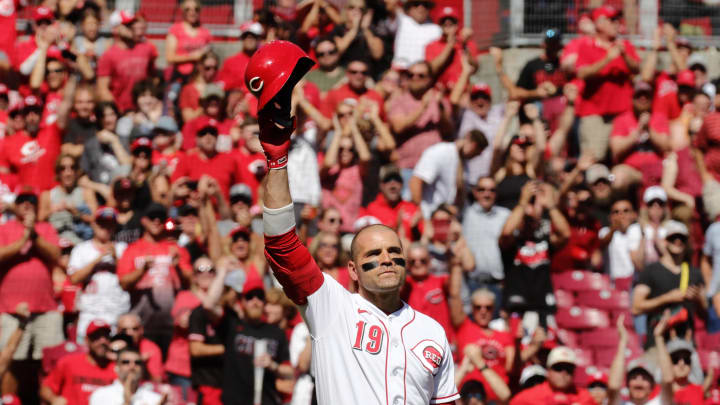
(379, 265)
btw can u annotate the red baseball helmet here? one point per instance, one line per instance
(276, 66)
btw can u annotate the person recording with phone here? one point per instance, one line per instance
(533, 230)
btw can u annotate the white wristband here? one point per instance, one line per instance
(277, 221)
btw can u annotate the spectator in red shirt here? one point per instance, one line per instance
(232, 73)
(445, 54)
(31, 153)
(582, 249)
(207, 161)
(249, 157)
(498, 349)
(390, 209)
(638, 142)
(77, 375)
(211, 102)
(187, 41)
(127, 62)
(26, 52)
(151, 269)
(130, 325)
(355, 88)
(607, 65)
(48, 78)
(205, 72)
(559, 387)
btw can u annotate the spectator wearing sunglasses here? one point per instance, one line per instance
(127, 388)
(151, 269)
(683, 358)
(130, 325)
(357, 74)
(77, 375)
(205, 72)
(329, 72)
(671, 284)
(559, 387)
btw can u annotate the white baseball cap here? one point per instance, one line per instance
(561, 354)
(673, 227)
(654, 193)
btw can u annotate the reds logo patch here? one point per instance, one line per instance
(430, 355)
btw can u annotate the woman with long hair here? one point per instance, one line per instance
(205, 72)
(325, 249)
(187, 41)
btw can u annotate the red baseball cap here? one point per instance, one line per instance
(685, 78)
(141, 143)
(606, 11)
(481, 87)
(31, 101)
(97, 325)
(121, 17)
(598, 377)
(448, 12)
(43, 13)
(106, 213)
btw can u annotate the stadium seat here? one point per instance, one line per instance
(605, 337)
(604, 356)
(583, 358)
(710, 341)
(582, 318)
(564, 299)
(579, 280)
(568, 338)
(609, 300)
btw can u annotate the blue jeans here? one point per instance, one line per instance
(179, 381)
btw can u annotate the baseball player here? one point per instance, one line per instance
(369, 347)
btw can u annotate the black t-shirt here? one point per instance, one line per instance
(661, 280)
(537, 71)
(130, 231)
(239, 337)
(358, 49)
(205, 370)
(78, 131)
(527, 271)
(508, 190)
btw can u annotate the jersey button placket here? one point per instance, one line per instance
(396, 366)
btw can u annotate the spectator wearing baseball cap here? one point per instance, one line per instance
(77, 375)
(166, 152)
(26, 53)
(687, 388)
(481, 114)
(653, 214)
(445, 54)
(241, 200)
(607, 65)
(561, 364)
(598, 386)
(186, 41)
(232, 73)
(671, 284)
(151, 269)
(638, 142)
(128, 61)
(92, 264)
(532, 375)
(31, 154)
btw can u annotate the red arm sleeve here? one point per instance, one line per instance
(293, 266)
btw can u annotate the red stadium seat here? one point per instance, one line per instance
(568, 338)
(605, 337)
(583, 358)
(579, 280)
(604, 356)
(610, 300)
(582, 318)
(710, 341)
(564, 299)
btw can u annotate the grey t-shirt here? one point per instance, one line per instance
(712, 250)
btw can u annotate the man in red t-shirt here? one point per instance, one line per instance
(208, 161)
(128, 61)
(152, 269)
(8, 33)
(390, 209)
(131, 325)
(427, 292)
(607, 64)
(638, 142)
(498, 349)
(232, 73)
(31, 153)
(357, 74)
(559, 387)
(25, 54)
(445, 54)
(77, 375)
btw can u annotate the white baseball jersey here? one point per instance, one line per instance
(360, 355)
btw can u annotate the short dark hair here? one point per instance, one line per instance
(144, 86)
(353, 244)
(479, 138)
(324, 39)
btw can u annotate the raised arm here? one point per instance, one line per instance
(667, 376)
(617, 369)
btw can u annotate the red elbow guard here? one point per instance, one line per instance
(293, 266)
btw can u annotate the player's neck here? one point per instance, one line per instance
(388, 302)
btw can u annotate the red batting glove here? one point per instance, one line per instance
(275, 140)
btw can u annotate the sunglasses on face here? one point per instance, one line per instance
(130, 329)
(424, 261)
(137, 362)
(344, 115)
(658, 202)
(157, 217)
(210, 67)
(484, 189)
(563, 367)
(485, 307)
(357, 72)
(681, 355)
(326, 53)
(66, 167)
(59, 70)
(677, 237)
(205, 268)
(186, 9)
(259, 294)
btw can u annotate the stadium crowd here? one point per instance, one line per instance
(564, 236)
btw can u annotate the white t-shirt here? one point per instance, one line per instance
(102, 297)
(113, 395)
(303, 390)
(438, 168)
(620, 262)
(412, 38)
